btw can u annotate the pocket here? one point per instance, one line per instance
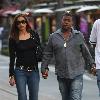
(18, 70)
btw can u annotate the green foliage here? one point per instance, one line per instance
(5, 51)
(72, 0)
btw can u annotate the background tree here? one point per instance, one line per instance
(59, 14)
(4, 3)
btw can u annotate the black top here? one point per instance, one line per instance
(23, 52)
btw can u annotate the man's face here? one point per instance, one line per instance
(66, 22)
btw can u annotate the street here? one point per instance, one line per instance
(48, 87)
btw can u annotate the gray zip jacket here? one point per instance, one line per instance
(69, 59)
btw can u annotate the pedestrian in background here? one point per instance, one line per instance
(95, 42)
(23, 67)
(70, 50)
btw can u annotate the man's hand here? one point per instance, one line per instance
(45, 74)
(93, 69)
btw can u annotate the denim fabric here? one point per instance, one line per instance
(98, 79)
(71, 89)
(31, 79)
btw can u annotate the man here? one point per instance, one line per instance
(68, 47)
(95, 42)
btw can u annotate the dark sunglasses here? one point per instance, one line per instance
(19, 22)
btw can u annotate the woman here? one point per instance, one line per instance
(23, 67)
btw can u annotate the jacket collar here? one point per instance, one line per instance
(73, 31)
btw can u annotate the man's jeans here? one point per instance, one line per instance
(71, 89)
(98, 79)
(31, 79)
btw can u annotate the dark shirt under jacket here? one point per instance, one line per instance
(24, 52)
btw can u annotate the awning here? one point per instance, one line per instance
(8, 10)
(28, 10)
(67, 8)
(87, 8)
(16, 12)
(43, 10)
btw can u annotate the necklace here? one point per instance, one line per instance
(65, 44)
(66, 38)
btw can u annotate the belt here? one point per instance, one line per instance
(27, 68)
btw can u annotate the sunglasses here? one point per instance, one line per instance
(20, 22)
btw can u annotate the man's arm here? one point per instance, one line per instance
(47, 55)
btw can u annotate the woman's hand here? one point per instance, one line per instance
(12, 80)
(93, 69)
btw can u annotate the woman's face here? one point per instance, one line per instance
(21, 23)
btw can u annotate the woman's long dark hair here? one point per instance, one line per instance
(14, 29)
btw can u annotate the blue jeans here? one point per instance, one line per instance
(71, 89)
(98, 79)
(31, 79)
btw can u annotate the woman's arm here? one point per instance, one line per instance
(12, 55)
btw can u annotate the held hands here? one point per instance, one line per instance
(45, 74)
(12, 81)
